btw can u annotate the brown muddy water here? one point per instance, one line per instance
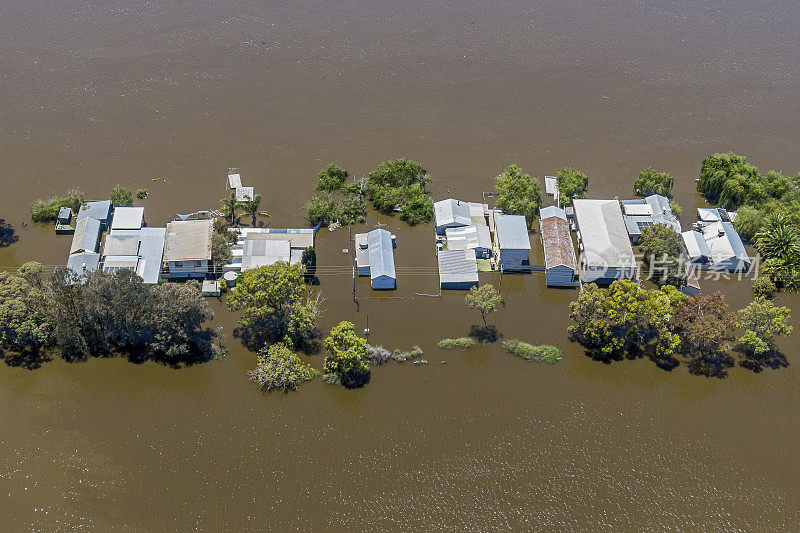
(98, 93)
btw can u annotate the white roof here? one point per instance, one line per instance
(552, 211)
(478, 212)
(695, 245)
(128, 218)
(234, 181)
(708, 214)
(512, 232)
(450, 211)
(244, 193)
(116, 262)
(550, 185)
(603, 233)
(381, 254)
(457, 266)
(122, 242)
(638, 209)
(362, 250)
(298, 237)
(724, 243)
(468, 238)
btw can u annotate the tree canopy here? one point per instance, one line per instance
(348, 356)
(762, 321)
(402, 183)
(705, 326)
(518, 193)
(483, 299)
(47, 210)
(121, 197)
(335, 201)
(662, 248)
(652, 182)
(277, 367)
(331, 178)
(571, 184)
(276, 305)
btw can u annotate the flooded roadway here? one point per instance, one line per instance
(95, 94)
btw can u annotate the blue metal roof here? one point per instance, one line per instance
(381, 255)
(101, 210)
(83, 263)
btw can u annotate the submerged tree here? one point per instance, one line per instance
(571, 184)
(331, 178)
(662, 248)
(762, 321)
(518, 193)
(348, 356)
(278, 367)
(705, 326)
(121, 197)
(483, 299)
(250, 207)
(23, 310)
(652, 182)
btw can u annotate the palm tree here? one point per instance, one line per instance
(229, 207)
(250, 207)
(778, 238)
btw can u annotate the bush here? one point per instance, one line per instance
(121, 197)
(279, 367)
(764, 286)
(141, 194)
(652, 182)
(543, 353)
(677, 210)
(378, 355)
(461, 343)
(47, 210)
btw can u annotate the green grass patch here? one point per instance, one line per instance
(461, 343)
(543, 353)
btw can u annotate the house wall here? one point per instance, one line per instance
(188, 269)
(383, 282)
(363, 271)
(560, 276)
(605, 276)
(440, 229)
(458, 285)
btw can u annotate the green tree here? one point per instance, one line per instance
(727, 180)
(351, 209)
(321, 209)
(230, 206)
(348, 356)
(121, 197)
(309, 262)
(762, 321)
(571, 184)
(748, 222)
(662, 247)
(23, 319)
(777, 238)
(275, 303)
(518, 193)
(705, 326)
(483, 299)
(331, 178)
(47, 210)
(221, 254)
(652, 182)
(418, 207)
(277, 367)
(403, 183)
(250, 207)
(175, 313)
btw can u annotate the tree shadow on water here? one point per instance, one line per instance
(486, 334)
(770, 359)
(7, 234)
(27, 359)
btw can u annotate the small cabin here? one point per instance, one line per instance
(381, 260)
(561, 266)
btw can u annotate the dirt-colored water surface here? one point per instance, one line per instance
(98, 93)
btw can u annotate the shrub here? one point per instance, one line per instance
(378, 355)
(279, 367)
(461, 343)
(543, 353)
(764, 286)
(47, 210)
(677, 210)
(121, 197)
(141, 194)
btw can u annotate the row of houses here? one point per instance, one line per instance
(182, 249)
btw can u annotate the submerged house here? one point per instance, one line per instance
(140, 250)
(606, 253)
(99, 210)
(644, 212)
(475, 238)
(717, 246)
(458, 269)
(561, 266)
(453, 213)
(267, 246)
(512, 241)
(381, 260)
(187, 248)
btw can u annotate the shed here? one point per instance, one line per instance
(234, 180)
(559, 255)
(64, 215)
(87, 235)
(606, 253)
(458, 269)
(244, 194)
(451, 213)
(128, 218)
(513, 243)
(100, 210)
(550, 185)
(381, 260)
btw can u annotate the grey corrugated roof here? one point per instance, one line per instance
(603, 234)
(188, 240)
(512, 232)
(298, 237)
(87, 234)
(695, 245)
(381, 255)
(122, 242)
(245, 193)
(101, 210)
(658, 211)
(83, 263)
(261, 252)
(362, 250)
(451, 211)
(457, 266)
(234, 181)
(724, 242)
(151, 252)
(65, 213)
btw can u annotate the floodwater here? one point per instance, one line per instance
(98, 93)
